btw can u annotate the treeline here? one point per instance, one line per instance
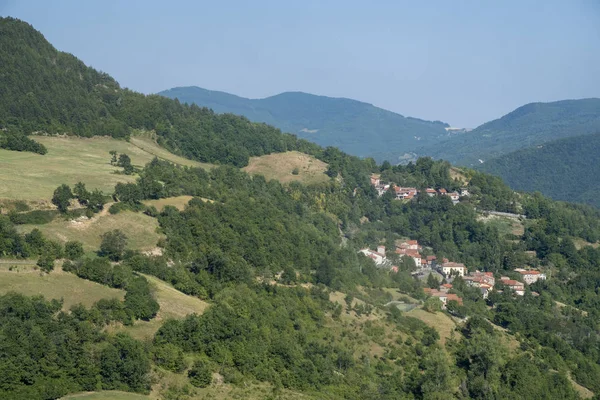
(47, 353)
(19, 142)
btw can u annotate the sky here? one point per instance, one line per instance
(461, 62)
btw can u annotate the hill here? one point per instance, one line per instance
(240, 291)
(530, 125)
(564, 169)
(45, 90)
(355, 127)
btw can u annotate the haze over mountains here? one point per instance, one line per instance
(356, 127)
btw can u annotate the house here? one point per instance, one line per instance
(478, 278)
(442, 192)
(454, 197)
(405, 193)
(449, 268)
(485, 289)
(445, 287)
(443, 296)
(531, 276)
(516, 286)
(430, 192)
(431, 261)
(464, 192)
(377, 256)
(410, 245)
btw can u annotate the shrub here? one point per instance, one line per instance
(200, 374)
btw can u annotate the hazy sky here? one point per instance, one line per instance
(463, 62)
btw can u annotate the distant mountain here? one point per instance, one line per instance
(530, 125)
(565, 169)
(355, 127)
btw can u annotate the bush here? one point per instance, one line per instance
(113, 245)
(73, 250)
(200, 375)
(169, 357)
(36, 217)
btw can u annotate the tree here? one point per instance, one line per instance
(125, 163)
(46, 263)
(62, 197)
(113, 159)
(113, 244)
(73, 250)
(81, 193)
(432, 282)
(200, 374)
(432, 304)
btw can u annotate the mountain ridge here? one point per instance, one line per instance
(528, 125)
(357, 127)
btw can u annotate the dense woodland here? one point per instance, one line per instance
(530, 125)
(565, 169)
(241, 232)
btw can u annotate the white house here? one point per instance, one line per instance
(449, 268)
(531, 276)
(377, 256)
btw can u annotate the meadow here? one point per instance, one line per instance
(29, 176)
(279, 166)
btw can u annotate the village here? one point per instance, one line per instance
(446, 272)
(409, 193)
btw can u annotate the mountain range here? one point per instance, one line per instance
(530, 125)
(356, 127)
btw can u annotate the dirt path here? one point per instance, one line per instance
(83, 222)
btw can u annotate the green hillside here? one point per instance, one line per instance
(566, 169)
(257, 289)
(355, 127)
(45, 90)
(530, 125)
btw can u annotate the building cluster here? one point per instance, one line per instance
(443, 295)
(484, 281)
(408, 193)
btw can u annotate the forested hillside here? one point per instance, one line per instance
(565, 169)
(292, 308)
(44, 90)
(355, 127)
(530, 125)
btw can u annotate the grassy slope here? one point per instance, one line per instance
(29, 176)
(173, 305)
(178, 202)
(56, 285)
(279, 166)
(107, 395)
(140, 229)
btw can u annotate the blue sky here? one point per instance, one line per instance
(463, 62)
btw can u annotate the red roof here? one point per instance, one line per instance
(530, 272)
(411, 242)
(431, 258)
(447, 285)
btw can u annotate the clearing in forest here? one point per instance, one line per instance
(140, 229)
(173, 305)
(27, 280)
(281, 166)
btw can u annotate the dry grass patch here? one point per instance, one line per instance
(438, 320)
(56, 285)
(178, 202)
(279, 166)
(140, 229)
(173, 305)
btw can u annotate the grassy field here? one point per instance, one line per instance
(438, 320)
(34, 177)
(56, 285)
(140, 229)
(280, 166)
(178, 202)
(145, 141)
(173, 305)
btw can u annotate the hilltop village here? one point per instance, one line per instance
(409, 193)
(444, 270)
